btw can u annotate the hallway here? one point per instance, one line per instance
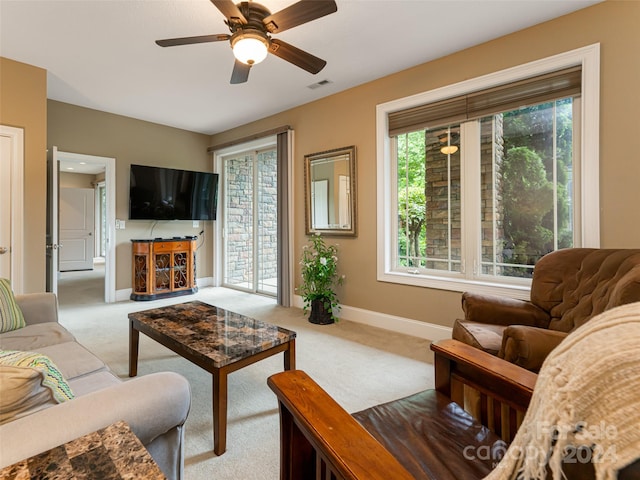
(82, 287)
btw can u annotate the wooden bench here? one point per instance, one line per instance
(320, 440)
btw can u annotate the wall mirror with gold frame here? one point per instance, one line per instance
(330, 192)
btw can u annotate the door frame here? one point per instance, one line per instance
(16, 166)
(98, 230)
(110, 185)
(51, 244)
(218, 156)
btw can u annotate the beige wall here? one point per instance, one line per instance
(349, 118)
(82, 130)
(23, 95)
(76, 180)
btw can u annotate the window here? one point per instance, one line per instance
(477, 181)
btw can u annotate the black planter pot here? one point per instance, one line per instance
(319, 314)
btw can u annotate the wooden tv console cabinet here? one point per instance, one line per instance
(163, 267)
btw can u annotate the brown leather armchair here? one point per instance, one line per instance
(569, 287)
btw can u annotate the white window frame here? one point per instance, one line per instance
(587, 151)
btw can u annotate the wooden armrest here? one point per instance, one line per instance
(318, 435)
(496, 392)
(455, 360)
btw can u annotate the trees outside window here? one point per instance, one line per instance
(525, 179)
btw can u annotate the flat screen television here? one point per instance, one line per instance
(157, 193)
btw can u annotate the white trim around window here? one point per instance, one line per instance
(589, 226)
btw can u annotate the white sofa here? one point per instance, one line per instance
(155, 406)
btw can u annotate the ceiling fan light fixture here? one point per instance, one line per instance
(251, 25)
(250, 48)
(449, 149)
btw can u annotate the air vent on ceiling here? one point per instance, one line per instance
(319, 84)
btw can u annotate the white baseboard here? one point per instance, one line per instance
(407, 326)
(204, 282)
(124, 294)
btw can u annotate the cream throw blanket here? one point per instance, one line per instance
(587, 394)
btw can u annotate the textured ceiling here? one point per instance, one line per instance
(101, 54)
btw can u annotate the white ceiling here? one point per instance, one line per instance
(77, 164)
(101, 54)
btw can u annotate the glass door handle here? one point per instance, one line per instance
(3, 250)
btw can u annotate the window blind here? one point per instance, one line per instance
(490, 101)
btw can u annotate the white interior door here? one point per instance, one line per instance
(53, 170)
(5, 213)
(11, 205)
(77, 218)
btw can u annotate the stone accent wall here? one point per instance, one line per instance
(492, 144)
(240, 213)
(268, 218)
(442, 192)
(238, 220)
(442, 189)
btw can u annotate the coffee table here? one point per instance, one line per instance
(217, 340)
(112, 453)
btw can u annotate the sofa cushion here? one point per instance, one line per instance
(416, 430)
(34, 337)
(93, 382)
(29, 381)
(73, 359)
(11, 317)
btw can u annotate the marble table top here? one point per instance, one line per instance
(221, 336)
(113, 453)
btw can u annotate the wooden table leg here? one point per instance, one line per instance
(290, 356)
(134, 337)
(219, 412)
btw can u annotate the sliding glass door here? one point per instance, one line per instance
(250, 237)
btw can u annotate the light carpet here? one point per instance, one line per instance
(358, 365)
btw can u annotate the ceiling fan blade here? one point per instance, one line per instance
(302, 12)
(300, 58)
(172, 42)
(240, 72)
(231, 12)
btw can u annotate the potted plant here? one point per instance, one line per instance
(319, 277)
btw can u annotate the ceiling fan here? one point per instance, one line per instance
(251, 26)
